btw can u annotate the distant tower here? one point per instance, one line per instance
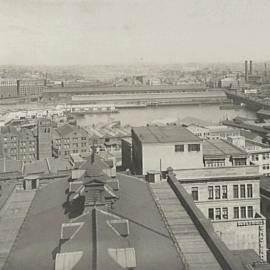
(44, 138)
(250, 67)
(246, 70)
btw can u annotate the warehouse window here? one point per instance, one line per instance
(218, 213)
(225, 213)
(217, 192)
(242, 191)
(211, 213)
(250, 211)
(235, 212)
(210, 193)
(179, 148)
(193, 147)
(243, 212)
(194, 192)
(224, 192)
(249, 190)
(235, 191)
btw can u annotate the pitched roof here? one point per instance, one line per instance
(221, 148)
(165, 134)
(65, 129)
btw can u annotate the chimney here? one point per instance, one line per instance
(250, 67)
(246, 70)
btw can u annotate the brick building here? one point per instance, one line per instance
(68, 139)
(18, 144)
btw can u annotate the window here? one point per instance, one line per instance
(243, 212)
(255, 157)
(194, 191)
(217, 192)
(250, 211)
(218, 213)
(210, 193)
(211, 213)
(235, 212)
(249, 190)
(242, 191)
(225, 213)
(224, 192)
(235, 191)
(179, 148)
(193, 147)
(265, 156)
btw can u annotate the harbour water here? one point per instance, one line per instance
(143, 116)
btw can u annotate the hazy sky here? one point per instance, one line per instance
(64, 32)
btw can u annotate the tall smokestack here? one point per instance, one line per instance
(246, 70)
(250, 67)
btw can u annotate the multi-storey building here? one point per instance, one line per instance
(18, 144)
(230, 198)
(31, 87)
(69, 139)
(157, 148)
(8, 88)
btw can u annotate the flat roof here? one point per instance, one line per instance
(221, 148)
(216, 173)
(168, 134)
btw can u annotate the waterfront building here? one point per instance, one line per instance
(230, 198)
(157, 148)
(18, 144)
(68, 139)
(213, 132)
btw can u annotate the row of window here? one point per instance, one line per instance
(221, 192)
(219, 163)
(191, 147)
(67, 140)
(238, 212)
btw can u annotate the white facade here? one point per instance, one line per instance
(160, 156)
(232, 202)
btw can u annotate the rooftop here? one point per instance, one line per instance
(168, 134)
(216, 173)
(221, 148)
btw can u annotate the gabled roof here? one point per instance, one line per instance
(168, 134)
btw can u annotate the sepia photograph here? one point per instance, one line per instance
(134, 135)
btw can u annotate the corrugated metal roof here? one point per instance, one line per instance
(165, 134)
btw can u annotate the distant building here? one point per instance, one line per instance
(18, 144)
(8, 88)
(69, 139)
(230, 198)
(157, 148)
(213, 132)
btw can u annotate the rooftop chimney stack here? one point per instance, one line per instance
(246, 70)
(250, 67)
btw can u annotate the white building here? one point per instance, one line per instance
(157, 148)
(230, 198)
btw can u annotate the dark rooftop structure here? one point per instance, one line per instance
(167, 134)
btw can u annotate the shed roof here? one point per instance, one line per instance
(165, 134)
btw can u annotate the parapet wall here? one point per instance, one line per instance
(219, 249)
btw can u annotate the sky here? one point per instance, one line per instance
(93, 32)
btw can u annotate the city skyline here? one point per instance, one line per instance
(132, 32)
